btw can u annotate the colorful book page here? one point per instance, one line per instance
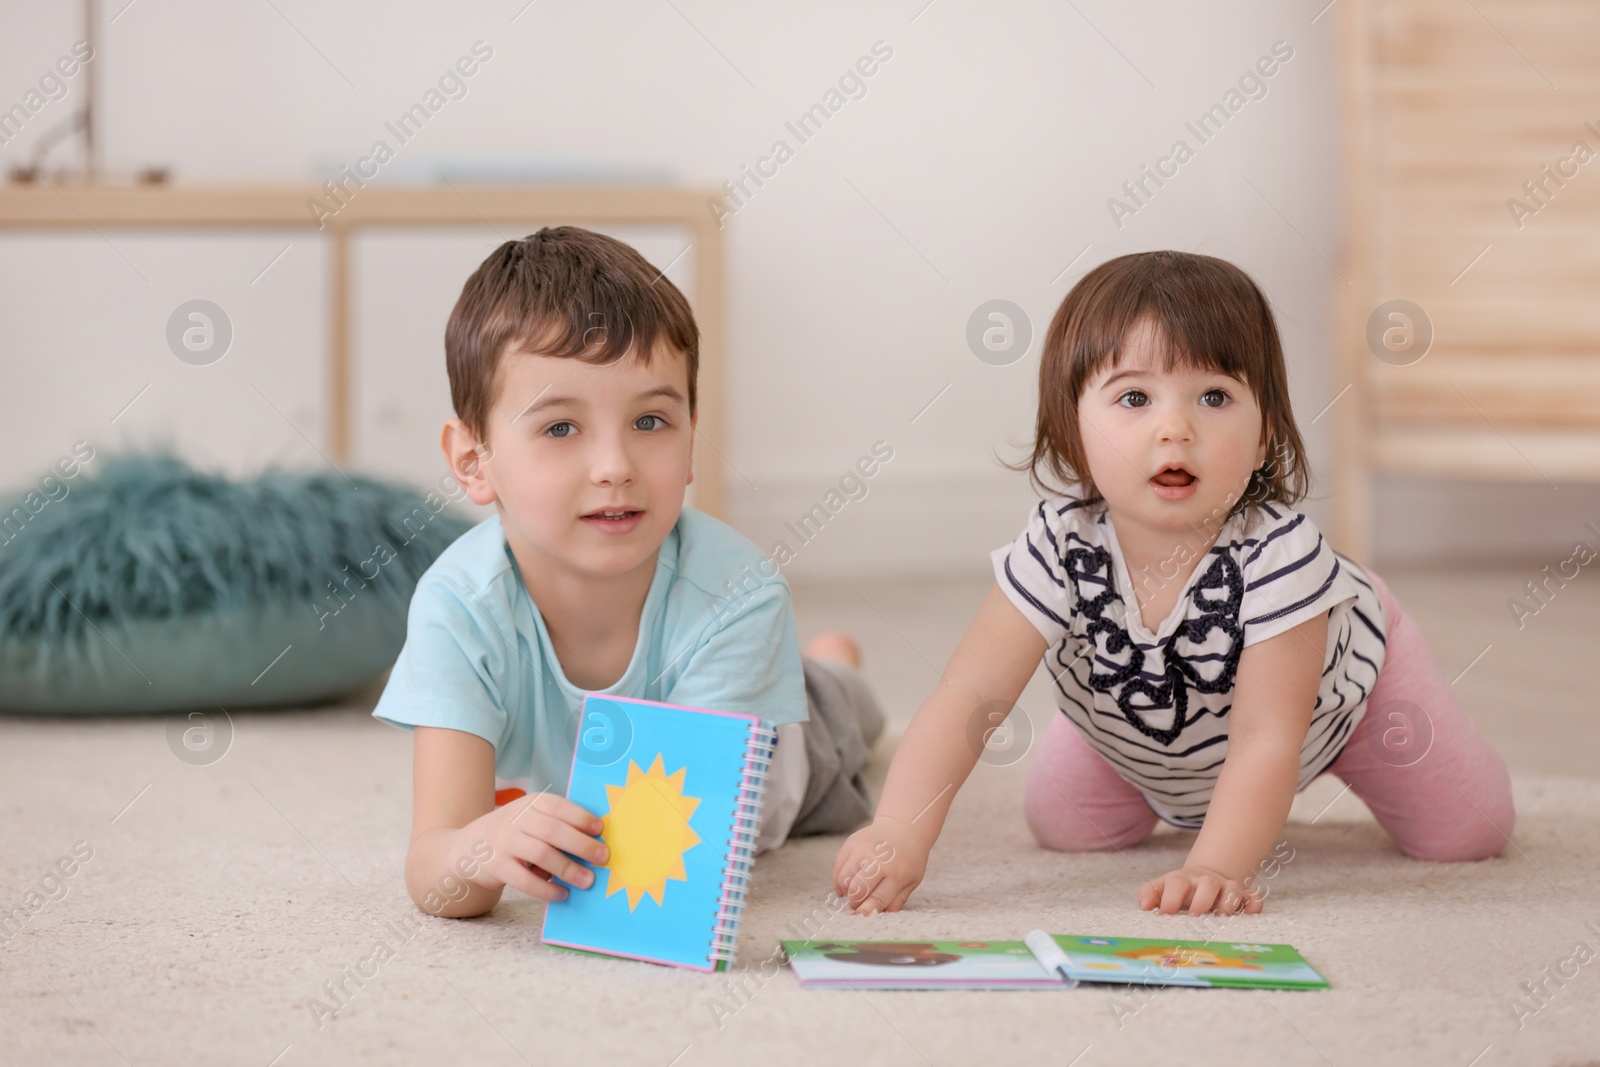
(1157, 961)
(918, 965)
(665, 786)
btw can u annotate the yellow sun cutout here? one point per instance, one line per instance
(648, 832)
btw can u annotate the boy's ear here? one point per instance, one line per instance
(694, 423)
(467, 459)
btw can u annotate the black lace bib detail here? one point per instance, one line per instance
(1217, 594)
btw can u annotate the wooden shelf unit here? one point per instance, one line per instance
(224, 207)
(1449, 109)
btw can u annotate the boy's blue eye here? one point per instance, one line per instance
(1133, 398)
(1214, 398)
(561, 429)
(649, 422)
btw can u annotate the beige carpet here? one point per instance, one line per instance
(220, 898)
(220, 901)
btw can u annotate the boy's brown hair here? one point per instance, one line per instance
(563, 291)
(1205, 313)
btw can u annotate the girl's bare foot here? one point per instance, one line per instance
(836, 646)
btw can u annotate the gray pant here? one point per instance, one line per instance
(845, 721)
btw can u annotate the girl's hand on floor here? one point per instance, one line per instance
(535, 838)
(880, 865)
(1199, 890)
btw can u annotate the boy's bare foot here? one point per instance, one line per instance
(836, 646)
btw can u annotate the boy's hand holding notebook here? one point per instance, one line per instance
(678, 791)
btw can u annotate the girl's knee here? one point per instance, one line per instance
(1061, 836)
(1056, 824)
(1477, 838)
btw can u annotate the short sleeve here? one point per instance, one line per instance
(1290, 574)
(1032, 572)
(746, 660)
(451, 672)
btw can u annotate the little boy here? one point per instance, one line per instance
(572, 368)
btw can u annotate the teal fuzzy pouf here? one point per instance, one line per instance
(149, 586)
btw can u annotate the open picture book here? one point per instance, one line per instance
(1048, 961)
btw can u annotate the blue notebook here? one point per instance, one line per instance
(678, 791)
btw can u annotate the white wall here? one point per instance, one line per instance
(977, 165)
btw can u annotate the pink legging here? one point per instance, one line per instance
(1452, 803)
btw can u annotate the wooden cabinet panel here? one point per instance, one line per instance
(84, 352)
(1454, 114)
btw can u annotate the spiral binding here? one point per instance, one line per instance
(742, 839)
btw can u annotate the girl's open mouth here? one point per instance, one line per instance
(1174, 483)
(1174, 476)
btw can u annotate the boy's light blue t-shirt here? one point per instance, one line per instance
(478, 658)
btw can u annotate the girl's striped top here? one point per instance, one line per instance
(1156, 704)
